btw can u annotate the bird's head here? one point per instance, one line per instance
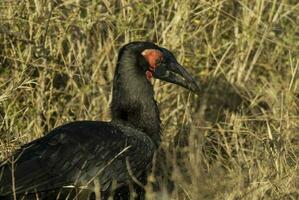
(160, 63)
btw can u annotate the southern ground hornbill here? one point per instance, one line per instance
(103, 158)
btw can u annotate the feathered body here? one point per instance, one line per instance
(93, 155)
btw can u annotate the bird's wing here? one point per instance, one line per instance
(75, 154)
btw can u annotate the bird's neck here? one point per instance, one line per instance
(133, 100)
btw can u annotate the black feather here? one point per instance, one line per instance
(71, 159)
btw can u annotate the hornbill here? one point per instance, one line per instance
(103, 158)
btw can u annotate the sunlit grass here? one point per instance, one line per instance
(238, 140)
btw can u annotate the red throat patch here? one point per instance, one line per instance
(149, 75)
(152, 56)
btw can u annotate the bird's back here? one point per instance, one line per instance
(77, 154)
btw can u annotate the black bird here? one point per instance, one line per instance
(105, 158)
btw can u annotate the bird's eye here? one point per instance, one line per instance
(159, 61)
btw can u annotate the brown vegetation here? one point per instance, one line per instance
(238, 140)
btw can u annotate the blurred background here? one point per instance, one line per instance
(239, 139)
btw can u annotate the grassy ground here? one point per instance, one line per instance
(238, 140)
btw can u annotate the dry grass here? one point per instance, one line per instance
(238, 140)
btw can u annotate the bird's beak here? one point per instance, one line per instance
(175, 73)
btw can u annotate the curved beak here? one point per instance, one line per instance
(173, 72)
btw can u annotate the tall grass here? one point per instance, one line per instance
(238, 140)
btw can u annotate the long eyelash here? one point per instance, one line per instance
(159, 61)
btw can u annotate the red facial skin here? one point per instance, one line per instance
(152, 56)
(149, 75)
